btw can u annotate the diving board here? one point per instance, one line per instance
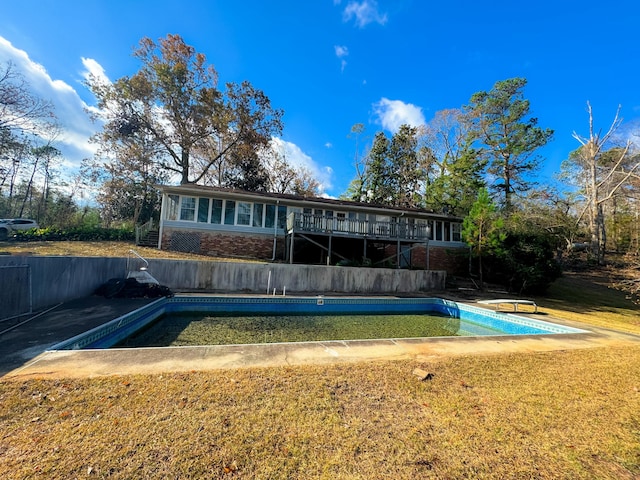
(510, 301)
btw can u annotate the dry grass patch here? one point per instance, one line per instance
(563, 415)
(99, 249)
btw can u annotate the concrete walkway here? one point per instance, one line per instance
(23, 346)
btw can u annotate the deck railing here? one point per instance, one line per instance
(143, 230)
(312, 223)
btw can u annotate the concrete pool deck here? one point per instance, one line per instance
(23, 346)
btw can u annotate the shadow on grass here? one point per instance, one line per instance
(586, 295)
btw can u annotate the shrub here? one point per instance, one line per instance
(76, 234)
(526, 264)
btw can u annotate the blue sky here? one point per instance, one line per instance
(332, 63)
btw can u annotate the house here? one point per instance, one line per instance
(306, 230)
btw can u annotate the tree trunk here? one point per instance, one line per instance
(602, 235)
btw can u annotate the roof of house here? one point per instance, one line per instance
(297, 200)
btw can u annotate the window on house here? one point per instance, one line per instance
(229, 212)
(329, 215)
(282, 216)
(188, 208)
(270, 216)
(258, 208)
(172, 207)
(438, 231)
(203, 210)
(244, 214)
(456, 232)
(216, 211)
(411, 228)
(318, 219)
(306, 217)
(422, 228)
(447, 231)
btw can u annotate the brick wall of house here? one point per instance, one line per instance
(222, 244)
(453, 260)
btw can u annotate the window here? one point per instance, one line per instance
(203, 210)
(188, 208)
(244, 214)
(172, 207)
(422, 228)
(318, 219)
(258, 208)
(229, 212)
(282, 216)
(456, 235)
(270, 216)
(411, 228)
(216, 211)
(306, 218)
(438, 230)
(447, 231)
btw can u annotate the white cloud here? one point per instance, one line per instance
(364, 13)
(68, 107)
(94, 70)
(628, 131)
(394, 113)
(297, 158)
(341, 53)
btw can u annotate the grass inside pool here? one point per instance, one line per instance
(194, 329)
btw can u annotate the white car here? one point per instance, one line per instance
(10, 225)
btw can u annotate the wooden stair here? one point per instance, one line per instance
(150, 239)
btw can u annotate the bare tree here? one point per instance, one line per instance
(27, 124)
(285, 177)
(19, 108)
(603, 173)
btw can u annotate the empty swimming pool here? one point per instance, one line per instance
(461, 319)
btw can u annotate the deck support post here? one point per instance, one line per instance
(291, 249)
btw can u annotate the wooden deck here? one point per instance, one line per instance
(323, 225)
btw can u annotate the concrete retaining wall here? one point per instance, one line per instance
(59, 279)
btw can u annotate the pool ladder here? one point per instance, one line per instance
(141, 274)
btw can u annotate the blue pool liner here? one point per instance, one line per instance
(478, 321)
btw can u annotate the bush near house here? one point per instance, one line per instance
(76, 234)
